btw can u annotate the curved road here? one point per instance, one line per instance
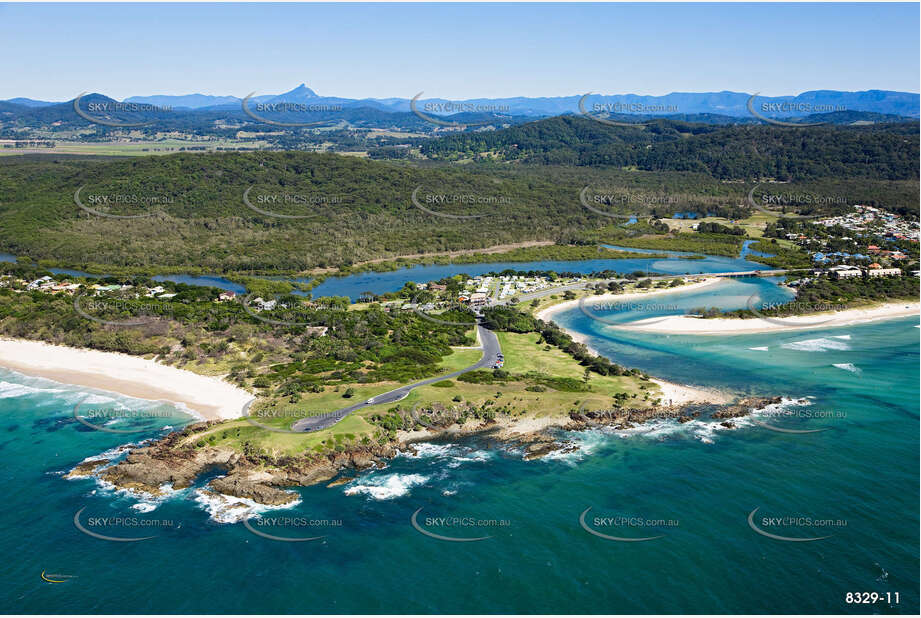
(490, 350)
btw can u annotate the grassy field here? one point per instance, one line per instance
(525, 360)
(753, 225)
(133, 148)
(462, 357)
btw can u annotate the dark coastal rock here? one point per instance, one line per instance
(362, 460)
(627, 418)
(264, 478)
(307, 473)
(342, 480)
(86, 468)
(147, 469)
(538, 444)
(541, 449)
(242, 487)
(743, 407)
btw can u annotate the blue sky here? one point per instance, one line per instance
(55, 52)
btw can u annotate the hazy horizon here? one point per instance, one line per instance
(457, 52)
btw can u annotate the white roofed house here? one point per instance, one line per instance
(38, 282)
(478, 299)
(264, 305)
(845, 272)
(885, 272)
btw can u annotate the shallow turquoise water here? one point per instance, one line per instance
(863, 470)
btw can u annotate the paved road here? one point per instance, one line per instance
(490, 350)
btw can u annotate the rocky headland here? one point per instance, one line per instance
(174, 462)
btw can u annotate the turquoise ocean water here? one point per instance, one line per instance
(693, 486)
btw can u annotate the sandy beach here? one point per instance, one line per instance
(209, 397)
(548, 313)
(685, 325)
(680, 394)
(672, 394)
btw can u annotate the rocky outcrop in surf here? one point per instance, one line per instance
(175, 463)
(179, 459)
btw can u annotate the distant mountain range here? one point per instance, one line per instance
(725, 103)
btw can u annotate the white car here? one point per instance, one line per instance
(370, 401)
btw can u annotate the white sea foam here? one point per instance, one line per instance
(480, 456)
(145, 507)
(185, 409)
(117, 451)
(226, 509)
(822, 344)
(586, 442)
(12, 389)
(848, 367)
(778, 410)
(659, 429)
(455, 455)
(426, 450)
(841, 336)
(387, 486)
(95, 398)
(706, 431)
(165, 490)
(760, 349)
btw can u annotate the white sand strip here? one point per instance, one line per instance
(672, 394)
(686, 325)
(548, 313)
(210, 397)
(680, 394)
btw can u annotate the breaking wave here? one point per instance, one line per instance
(387, 486)
(226, 509)
(822, 344)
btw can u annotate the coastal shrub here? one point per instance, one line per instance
(480, 376)
(566, 385)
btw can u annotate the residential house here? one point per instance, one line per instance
(885, 272)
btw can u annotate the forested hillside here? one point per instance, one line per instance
(887, 151)
(187, 212)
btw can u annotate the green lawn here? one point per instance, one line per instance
(523, 356)
(460, 359)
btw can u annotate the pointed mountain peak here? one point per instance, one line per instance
(301, 91)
